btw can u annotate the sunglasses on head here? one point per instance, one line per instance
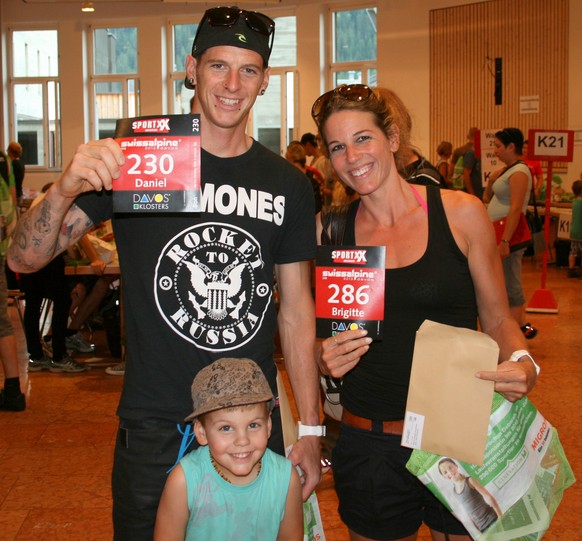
(228, 16)
(357, 93)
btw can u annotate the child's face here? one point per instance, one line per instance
(237, 439)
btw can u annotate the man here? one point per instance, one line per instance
(257, 217)
(467, 170)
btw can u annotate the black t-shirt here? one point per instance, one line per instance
(200, 287)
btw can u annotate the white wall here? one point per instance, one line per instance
(403, 58)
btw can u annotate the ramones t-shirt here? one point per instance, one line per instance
(197, 287)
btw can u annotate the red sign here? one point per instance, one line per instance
(551, 145)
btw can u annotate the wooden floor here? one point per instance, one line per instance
(56, 457)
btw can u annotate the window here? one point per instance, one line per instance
(354, 46)
(114, 82)
(35, 96)
(274, 114)
(182, 36)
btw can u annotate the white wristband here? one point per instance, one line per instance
(306, 430)
(516, 356)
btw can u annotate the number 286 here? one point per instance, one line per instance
(348, 294)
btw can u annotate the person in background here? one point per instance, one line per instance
(472, 173)
(312, 150)
(11, 396)
(49, 282)
(232, 486)
(317, 167)
(90, 293)
(535, 168)
(457, 160)
(441, 264)
(15, 154)
(443, 165)
(296, 155)
(575, 231)
(507, 195)
(198, 286)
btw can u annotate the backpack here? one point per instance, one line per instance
(457, 178)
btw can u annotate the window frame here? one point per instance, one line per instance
(120, 78)
(364, 66)
(52, 160)
(175, 76)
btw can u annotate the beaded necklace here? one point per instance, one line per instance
(219, 471)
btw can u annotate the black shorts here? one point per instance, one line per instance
(378, 497)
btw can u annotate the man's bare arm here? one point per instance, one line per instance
(44, 232)
(56, 222)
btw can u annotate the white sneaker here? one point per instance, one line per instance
(78, 343)
(116, 370)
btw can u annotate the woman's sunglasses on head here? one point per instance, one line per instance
(356, 93)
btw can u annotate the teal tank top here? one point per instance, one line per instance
(224, 512)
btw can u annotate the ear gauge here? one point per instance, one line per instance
(262, 92)
(191, 81)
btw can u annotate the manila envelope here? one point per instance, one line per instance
(448, 408)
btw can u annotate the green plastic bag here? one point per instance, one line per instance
(515, 493)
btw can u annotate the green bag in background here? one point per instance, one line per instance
(516, 492)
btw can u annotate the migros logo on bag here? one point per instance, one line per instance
(541, 437)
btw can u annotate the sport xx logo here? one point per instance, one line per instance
(355, 257)
(210, 287)
(155, 125)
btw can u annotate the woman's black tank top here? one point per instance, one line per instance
(438, 287)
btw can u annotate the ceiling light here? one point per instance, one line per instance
(87, 7)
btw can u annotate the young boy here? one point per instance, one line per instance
(232, 486)
(575, 231)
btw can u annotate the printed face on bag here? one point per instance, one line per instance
(449, 470)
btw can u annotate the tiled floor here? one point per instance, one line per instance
(56, 457)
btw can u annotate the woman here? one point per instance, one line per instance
(444, 152)
(441, 264)
(511, 188)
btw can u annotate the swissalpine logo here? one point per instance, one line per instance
(210, 286)
(352, 257)
(152, 125)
